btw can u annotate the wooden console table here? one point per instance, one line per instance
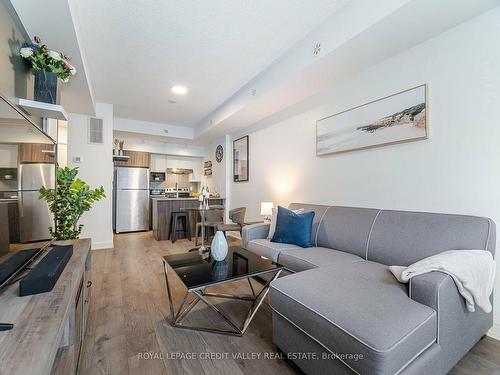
(48, 328)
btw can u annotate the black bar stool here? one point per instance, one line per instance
(173, 230)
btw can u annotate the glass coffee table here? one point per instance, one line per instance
(199, 272)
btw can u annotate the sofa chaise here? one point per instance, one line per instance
(341, 311)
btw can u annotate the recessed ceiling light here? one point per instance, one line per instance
(179, 90)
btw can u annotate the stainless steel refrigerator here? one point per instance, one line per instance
(130, 199)
(35, 217)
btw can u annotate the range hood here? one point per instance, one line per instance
(179, 171)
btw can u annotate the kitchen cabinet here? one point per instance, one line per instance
(8, 156)
(197, 168)
(136, 159)
(36, 153)
(177, 162)
(158, 163)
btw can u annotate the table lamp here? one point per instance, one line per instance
(266, 210)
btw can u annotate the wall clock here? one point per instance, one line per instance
(219, 153)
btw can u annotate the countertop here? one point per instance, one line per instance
(179, 199)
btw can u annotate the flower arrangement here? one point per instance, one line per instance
(42, 58)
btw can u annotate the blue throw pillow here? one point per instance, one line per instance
(293, 228)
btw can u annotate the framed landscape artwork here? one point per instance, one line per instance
(397, 118)
(240, 159)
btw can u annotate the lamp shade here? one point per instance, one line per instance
(266, 208)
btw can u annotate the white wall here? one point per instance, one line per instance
(95, 168)
(456, 171)
(220, 172)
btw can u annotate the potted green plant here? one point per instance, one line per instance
(47, 66)
(72, 198)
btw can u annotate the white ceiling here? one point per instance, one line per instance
(136, 50)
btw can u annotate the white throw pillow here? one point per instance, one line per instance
(274, 218)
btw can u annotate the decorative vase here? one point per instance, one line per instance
(219, 246)
(46, 87)
(219, 270)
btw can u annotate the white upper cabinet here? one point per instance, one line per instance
(158, 163)
(196, 167)
(175, 162)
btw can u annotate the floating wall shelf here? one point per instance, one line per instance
(121, 157)
(41, 109)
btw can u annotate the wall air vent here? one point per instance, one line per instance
(95, 133)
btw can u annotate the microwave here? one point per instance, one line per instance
(157, 176)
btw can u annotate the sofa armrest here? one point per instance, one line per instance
(455, 323)
(425, 288)
(254, 231)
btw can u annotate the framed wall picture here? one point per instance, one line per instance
(397, 118)
(240, 159)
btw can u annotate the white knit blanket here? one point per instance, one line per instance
(473, 271)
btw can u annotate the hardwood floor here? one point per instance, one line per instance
(127, 332)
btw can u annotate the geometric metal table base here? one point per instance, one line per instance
(201, 294)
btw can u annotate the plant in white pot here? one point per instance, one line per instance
(47, 66)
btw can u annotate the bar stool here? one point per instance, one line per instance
(172, 230)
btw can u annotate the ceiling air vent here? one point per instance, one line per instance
(316, 49)
(95, 131)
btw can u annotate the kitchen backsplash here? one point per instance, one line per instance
(158, 184)
(181, 179)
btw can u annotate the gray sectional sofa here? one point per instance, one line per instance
(341, 311)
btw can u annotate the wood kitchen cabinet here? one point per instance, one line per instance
(36, 153)
(136, 159)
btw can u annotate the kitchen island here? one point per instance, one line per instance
(162, 212)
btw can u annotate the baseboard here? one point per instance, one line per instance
(102, 245)
(495, 331)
